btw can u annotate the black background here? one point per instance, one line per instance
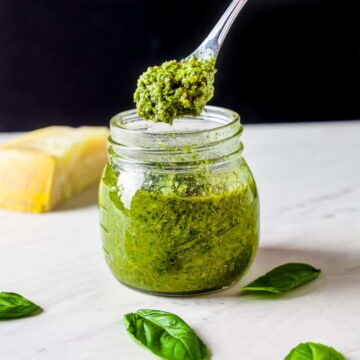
(76, 62)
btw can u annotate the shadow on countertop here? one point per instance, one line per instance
(86, 198)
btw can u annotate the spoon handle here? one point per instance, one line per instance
(211, 45)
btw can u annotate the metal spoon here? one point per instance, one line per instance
(211, 45)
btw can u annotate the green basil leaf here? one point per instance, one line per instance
(13, 306)
(284, 278)
(166, 335)
(313, 351)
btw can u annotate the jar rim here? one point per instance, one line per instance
(224, 121)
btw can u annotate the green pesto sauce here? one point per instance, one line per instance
(175, 89)
(177, 239)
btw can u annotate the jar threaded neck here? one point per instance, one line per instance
(213, 135)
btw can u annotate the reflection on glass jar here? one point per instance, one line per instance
(178, 204)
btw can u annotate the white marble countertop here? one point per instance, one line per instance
(308, 177)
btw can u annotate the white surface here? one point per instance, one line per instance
(308, 176)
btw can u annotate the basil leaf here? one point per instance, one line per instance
(13, 306)
(313, 351)
(284, 278)
(166, 335)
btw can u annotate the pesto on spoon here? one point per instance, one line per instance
(179, 88)
(175, 89)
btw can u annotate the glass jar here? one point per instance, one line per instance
(179, 207)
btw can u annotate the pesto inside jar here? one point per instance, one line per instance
(175, 89)
(180, 234)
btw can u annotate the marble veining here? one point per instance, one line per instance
(308, 177)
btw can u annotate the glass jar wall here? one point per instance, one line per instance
(179, 207)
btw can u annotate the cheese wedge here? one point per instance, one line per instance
(44, 167)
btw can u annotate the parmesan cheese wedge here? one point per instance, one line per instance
(44, 167)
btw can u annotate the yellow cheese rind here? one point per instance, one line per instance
(26, 179)
(45, 167)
